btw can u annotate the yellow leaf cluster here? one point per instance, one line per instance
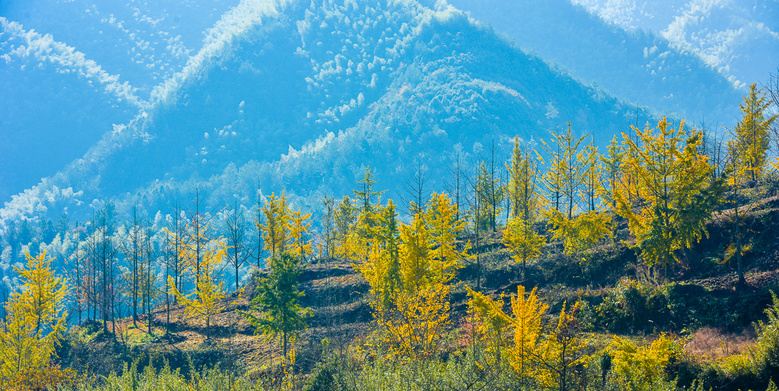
(299, 227)
(415, 326)
(522, 240)
(666, 191)
(545, 358)
(637, 367)
(34, 322)
(581, 232)
(409, 269)
(525, 324)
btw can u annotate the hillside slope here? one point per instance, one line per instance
(303, 96)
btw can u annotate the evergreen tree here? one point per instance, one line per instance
(277, 302)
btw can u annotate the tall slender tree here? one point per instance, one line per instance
(520, 236)
(235, 226)
(751, 138)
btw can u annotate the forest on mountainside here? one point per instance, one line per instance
(649, 265)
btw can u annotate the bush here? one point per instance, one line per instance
(756, 367)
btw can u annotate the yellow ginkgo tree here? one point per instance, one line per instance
(202, 303)
(671, 193)
(525, 324)
(520, 236)
(35, 320)
(409, 269)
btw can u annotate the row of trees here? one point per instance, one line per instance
(659, 180)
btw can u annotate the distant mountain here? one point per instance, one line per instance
(70, 69)
(303, 96)
(636, 65)
(739, 38)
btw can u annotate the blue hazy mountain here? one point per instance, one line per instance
(739, 38)
(302, 96)
(636, 65)
(71, 69)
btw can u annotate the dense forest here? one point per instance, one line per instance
(645, 266)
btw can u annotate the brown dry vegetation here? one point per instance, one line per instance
(721, 326)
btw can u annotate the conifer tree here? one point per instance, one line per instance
(277, 302)
(365, 195)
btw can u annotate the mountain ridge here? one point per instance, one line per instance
(413, 78)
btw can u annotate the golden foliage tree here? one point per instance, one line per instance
(639, 367)
(582, 232)
(523, 241)
(443, 226)
(409, 270)
(751, 138)
(546, 357)
(299, 245)
(612, 168)
(525, 324)
(382, 267)
(520, 236)
(202, 303)
(35, 320)
(674, 191)
(563, 175)
(575, 183)
(275, 229)
(562, 352)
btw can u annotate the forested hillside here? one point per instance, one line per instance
(301, 97)
(647, 264)
(382, 195)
